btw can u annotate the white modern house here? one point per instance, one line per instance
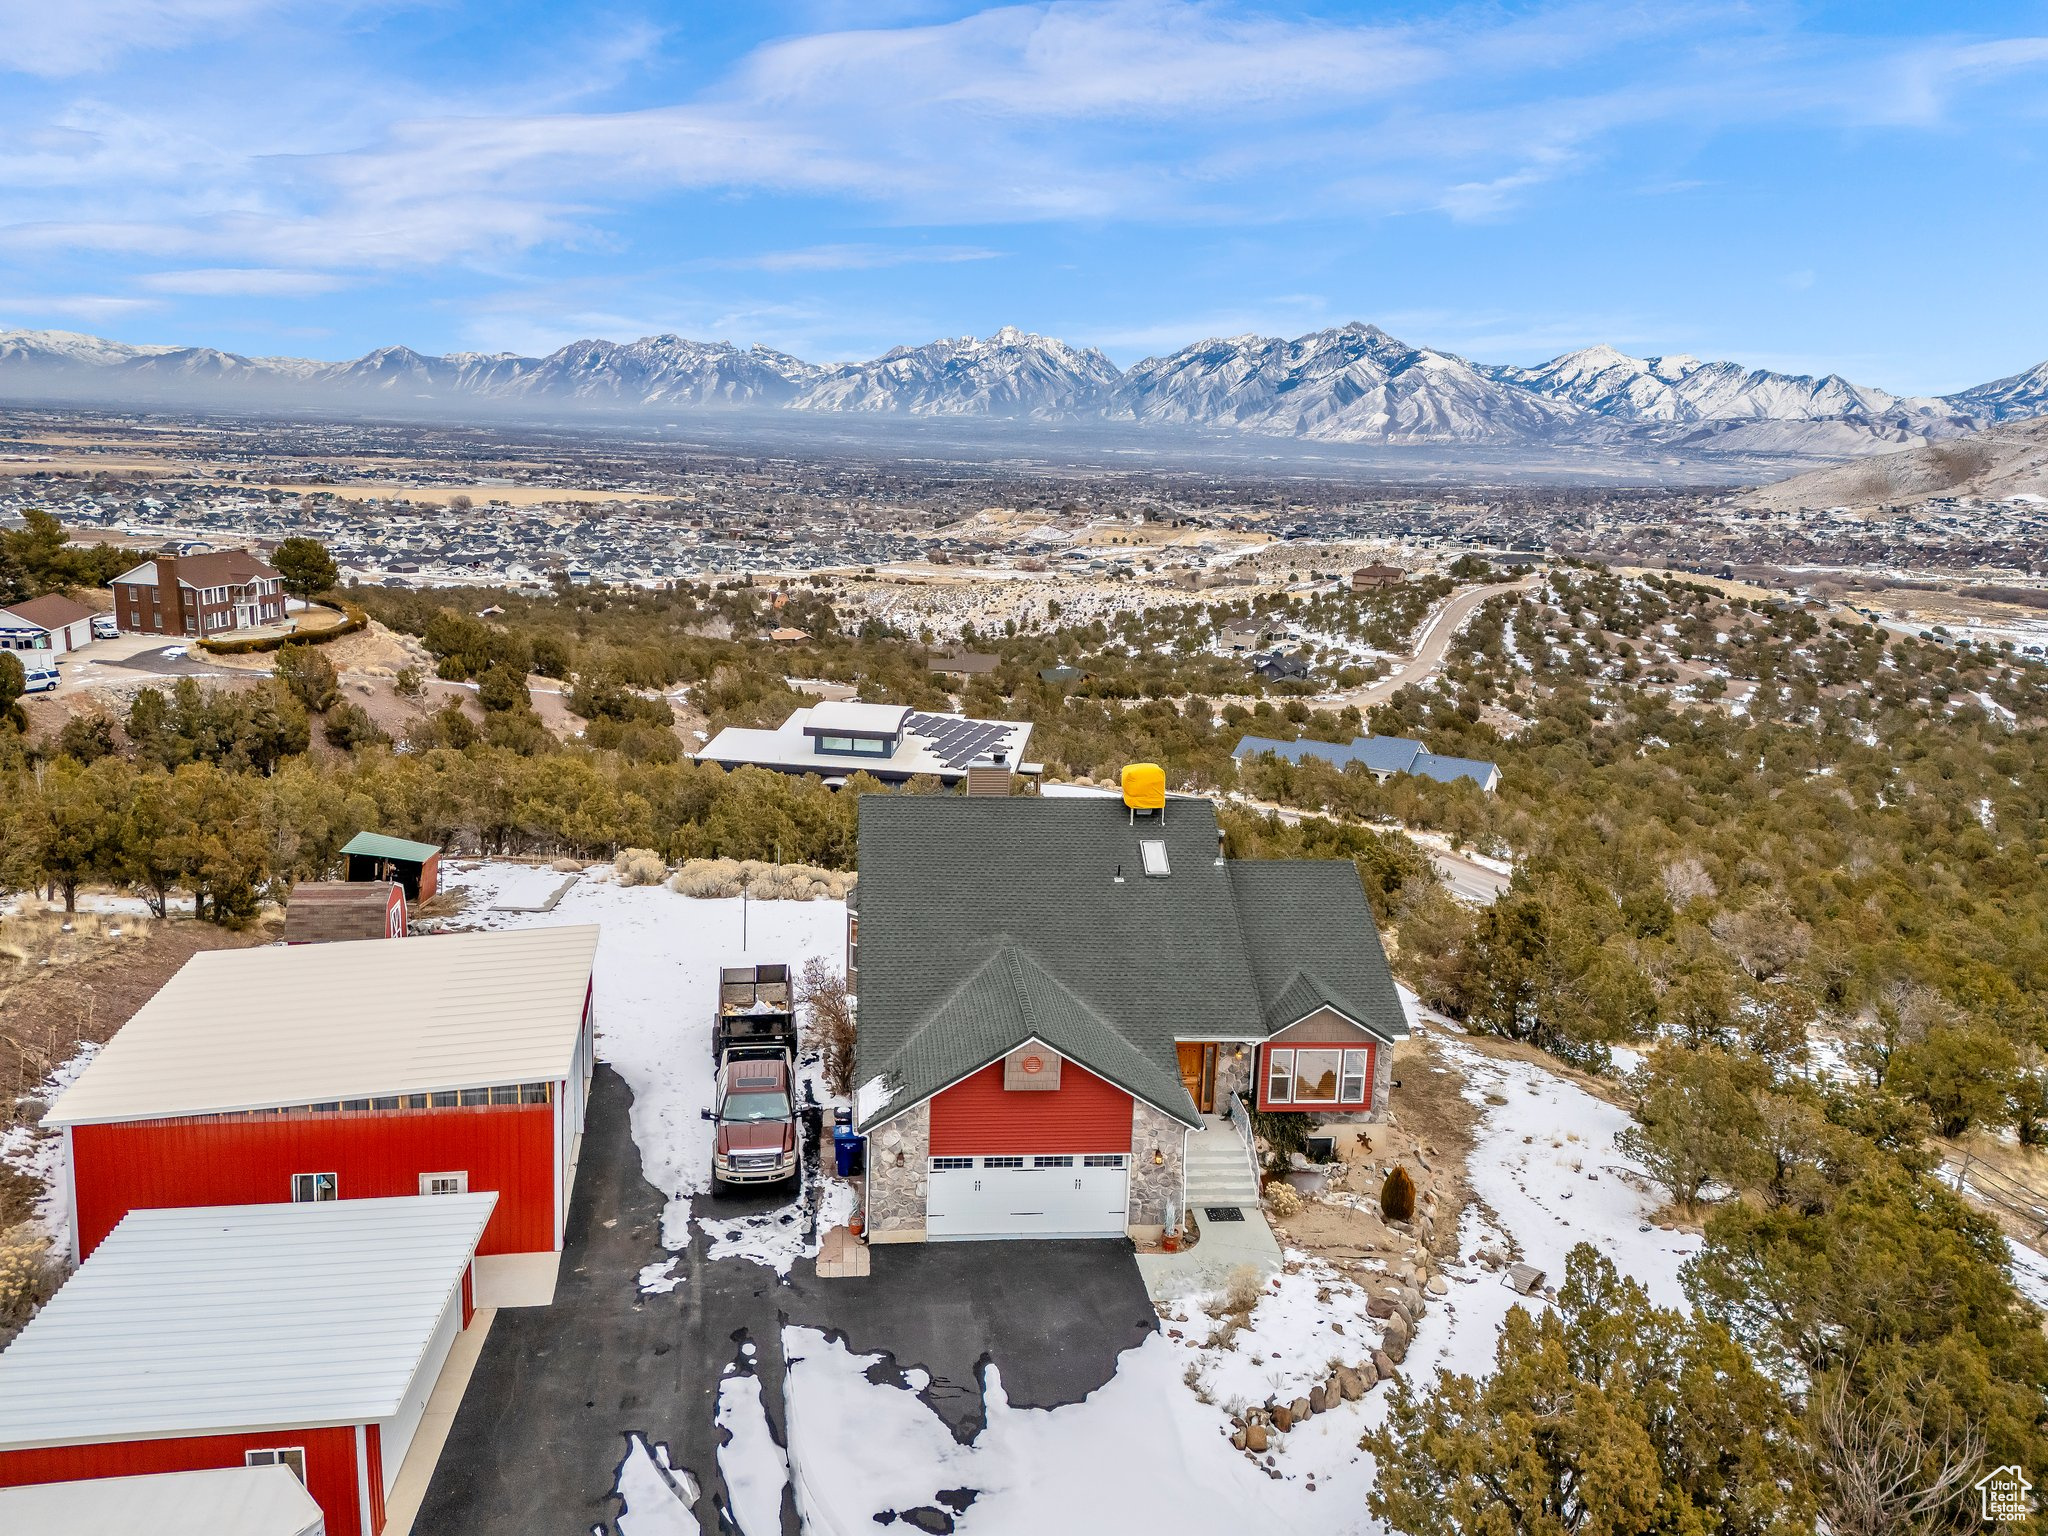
(891, 741)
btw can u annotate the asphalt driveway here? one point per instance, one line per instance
(535, 1448)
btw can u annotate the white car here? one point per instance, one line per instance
(104, 628)
(42, 676)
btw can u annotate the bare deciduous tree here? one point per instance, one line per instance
(828, 1022)
(1882, 1467)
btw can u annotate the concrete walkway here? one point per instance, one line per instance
(1225, 1246)
(1219, 1176)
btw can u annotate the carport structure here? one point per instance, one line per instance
(308, 1336)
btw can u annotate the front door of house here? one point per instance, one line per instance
(1198, 1074)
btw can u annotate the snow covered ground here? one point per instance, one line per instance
(658, 959)
(1146, 1451)
(42, 1157)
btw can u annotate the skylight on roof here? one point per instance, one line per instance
(1153, 851)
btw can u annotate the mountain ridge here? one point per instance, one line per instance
(1352, 383)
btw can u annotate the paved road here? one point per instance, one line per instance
(1435, 635)
(536, 1445)
(1466, 878)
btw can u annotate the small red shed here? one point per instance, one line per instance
(458, 1063)
(307, 1336)
(322, 911)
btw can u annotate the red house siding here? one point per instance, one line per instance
(977, 1116)
(1372, 1061)
(373, 1448)
(330, 1464)
(250, 1160)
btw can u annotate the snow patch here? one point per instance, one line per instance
(752, 1465)
(656, 1497)
(660, 1279)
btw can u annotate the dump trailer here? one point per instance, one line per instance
(756, 1007)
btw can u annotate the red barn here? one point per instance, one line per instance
(365, 1069)
(306, 1336)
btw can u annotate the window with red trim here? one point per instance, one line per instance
(1317, 1076)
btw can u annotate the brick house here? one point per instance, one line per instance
(1056, 995)
(199, 595)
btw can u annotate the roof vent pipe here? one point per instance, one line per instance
(1219, 847)
(1118, 878)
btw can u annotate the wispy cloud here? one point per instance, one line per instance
(95, 308)
(90, 36)
(253, 281)
(1074, 111)
(853, 258)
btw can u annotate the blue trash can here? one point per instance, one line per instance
(846, 1148)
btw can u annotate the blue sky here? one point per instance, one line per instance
(1856, 187)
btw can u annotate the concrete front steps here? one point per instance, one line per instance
(1219, 1171)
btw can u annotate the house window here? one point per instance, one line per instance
(943, 1164)
(533, 1093)
(1103, 1160)
(293, 1456)
(444, 1183)
(1002, 1162)
(313, 1187)
(476, 1095)
(444, 1097)
(1354, 1076)
(1315, 1076)
(1279, 1076)
(1052, 1162)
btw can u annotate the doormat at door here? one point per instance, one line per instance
(1223, 1213)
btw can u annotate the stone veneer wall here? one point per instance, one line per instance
(896, 1196)
(1234, 1074)
(1154, 1185)
(1382, 1079)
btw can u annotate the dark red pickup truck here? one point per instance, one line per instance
(756, 1122)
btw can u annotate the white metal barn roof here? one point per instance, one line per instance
(306, 1024)
(213, 1319)
(220, 1501)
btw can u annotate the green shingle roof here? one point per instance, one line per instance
(987, 922)
(1310, 934)
(375, 845)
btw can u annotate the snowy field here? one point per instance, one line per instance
(658, 958)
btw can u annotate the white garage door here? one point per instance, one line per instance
(1071, 1194)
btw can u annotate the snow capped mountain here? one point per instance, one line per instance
(1684, 390)
(2009, 399)
(66, 349)
(658, 370)
(1012, 373)
(1351, 384)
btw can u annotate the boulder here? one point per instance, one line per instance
(1379, 1306)
(1301, 1409)
(1411, 1302)
(1382, 1365)
(1237, 1441)
(1439, 1286)
(1395, 1345)
(1283, 1418)
(1318, 1400)
(1351, 1384)
(1255, 1439)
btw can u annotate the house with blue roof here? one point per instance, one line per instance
(1381, 756)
